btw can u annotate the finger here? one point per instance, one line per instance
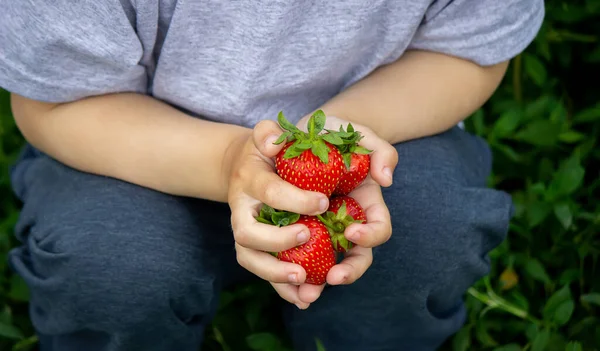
(378, 228)
(309, 293)
(290, 294)
(376, 231)
(264, 135)
(354, 265)
(269, 188)
(269, 268)
(384, 158)
(264, 237)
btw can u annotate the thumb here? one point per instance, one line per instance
(264, 135)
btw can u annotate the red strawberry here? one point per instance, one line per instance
(310, 161)
(342, 212)
(355, 174)
(356, 159)
(316, 256)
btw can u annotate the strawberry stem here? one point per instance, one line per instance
(269, 215)
(336, 225)
(350, 139)
(313, 140)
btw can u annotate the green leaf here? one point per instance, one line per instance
(531, 331)
(482, 335)
(462, 339)
(574, 346)
(263, 342)
(540, 132)
(18, 289)
(347, 160)
(569, 275)
(478, 124)
(536, 270)
(555, 301)
(282, 138)
(535, 69)
(540, 342)
(282, 219)
(591, 298)
(321, 150)
(563, 214)
(316, 123)
(10, 331)
(537, 212)
(567, 178)
(292, 152)
(507, 123)
(361, 150)
(333, 139)
(571, 137)
(508, 347)
(509, 152)
(563, 312)
(305, 145)
(591, 114)
(285, 124)
(320, 346)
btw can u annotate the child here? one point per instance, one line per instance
(150, 128)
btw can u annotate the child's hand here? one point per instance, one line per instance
(253, 181)
(378, 228)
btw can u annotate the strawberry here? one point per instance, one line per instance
(310, 161)
(357, 161)
(316, 256)
(342, 211)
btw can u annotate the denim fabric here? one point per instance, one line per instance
(114, 266)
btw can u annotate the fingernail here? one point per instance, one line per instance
(387, 172)
(323, 205)
(302, 237)
(270, 140)
(301, 306)
(293, 278)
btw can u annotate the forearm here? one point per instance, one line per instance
(134, 138)
(421, 94)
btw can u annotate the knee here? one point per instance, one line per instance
(445, 219)
(105, 278)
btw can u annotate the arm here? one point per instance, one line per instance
(134, 138)
(421, 94)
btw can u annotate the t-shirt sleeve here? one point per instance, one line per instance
(483, 31)
(60, 51)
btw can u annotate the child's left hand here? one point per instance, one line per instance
(378, 228)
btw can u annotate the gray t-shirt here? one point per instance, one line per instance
(241, 61)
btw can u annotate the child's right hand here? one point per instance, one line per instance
(252, 182)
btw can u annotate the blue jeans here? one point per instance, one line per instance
(114, 266)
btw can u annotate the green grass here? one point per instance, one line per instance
(543, 125)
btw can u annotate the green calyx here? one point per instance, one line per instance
(349, 146)
(336, 224)
(313, 140)
(269, 215)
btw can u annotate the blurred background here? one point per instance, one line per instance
(543, 293)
